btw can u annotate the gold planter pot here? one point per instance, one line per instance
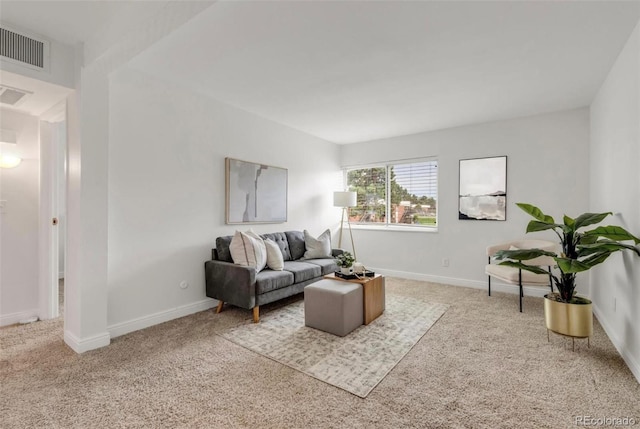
(573, 320)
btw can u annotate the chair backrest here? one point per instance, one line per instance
(528, 244)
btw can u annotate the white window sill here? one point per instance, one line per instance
(393, 228)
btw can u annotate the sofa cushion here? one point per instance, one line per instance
(268, 280)
(296, 244)
(222, 247)
(281, 240)
(328, 266)
(317, 247)
(302, 271)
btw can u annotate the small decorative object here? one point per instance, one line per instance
(255, 193)
(358, 268)
(483, 189)
(346, 270)
(565, 312)
(346, 276)
(345, 261)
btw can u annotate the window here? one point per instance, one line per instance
(395, 194)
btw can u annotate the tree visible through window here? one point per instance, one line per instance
(412, 189)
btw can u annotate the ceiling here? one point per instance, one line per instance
(43, 97)
(77, 21)
(70, 23)
(357, 71)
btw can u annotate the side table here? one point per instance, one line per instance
(373, 295)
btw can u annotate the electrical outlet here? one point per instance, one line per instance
(445, 262)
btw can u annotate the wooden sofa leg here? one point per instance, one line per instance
(256, 314)
(219, 308)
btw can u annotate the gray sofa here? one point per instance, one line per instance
(243, 287)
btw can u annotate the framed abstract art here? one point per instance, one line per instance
(255, 193)
(483, 189)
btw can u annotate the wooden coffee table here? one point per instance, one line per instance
(372, 292)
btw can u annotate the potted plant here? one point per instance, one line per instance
(566, 313)
(345, 261)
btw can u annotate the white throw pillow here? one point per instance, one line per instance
(317, 247)
(275, 260)
(248, 249)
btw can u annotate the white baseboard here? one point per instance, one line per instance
(13, 318)
(475, 284)
(163, 316)
(630, 360)
(81, 345)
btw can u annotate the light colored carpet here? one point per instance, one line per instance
(356, 362)
(482, 365)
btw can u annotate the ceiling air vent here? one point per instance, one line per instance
(12, 96)
(24, 49)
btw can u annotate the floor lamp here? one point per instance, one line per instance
(346, 199)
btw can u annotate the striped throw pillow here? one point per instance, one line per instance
(248, 249)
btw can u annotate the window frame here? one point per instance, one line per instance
(388, 226)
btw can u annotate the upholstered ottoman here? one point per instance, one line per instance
(333, 306)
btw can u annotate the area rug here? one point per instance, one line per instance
(356, 362)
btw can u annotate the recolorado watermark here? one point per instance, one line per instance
(590, 421)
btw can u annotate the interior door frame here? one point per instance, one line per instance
(50, 161)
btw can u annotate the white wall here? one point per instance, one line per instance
(546, 162)
(19, 188)
(166, 192)
(615, 186)
(86, 297)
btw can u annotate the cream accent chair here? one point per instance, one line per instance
(517, 276)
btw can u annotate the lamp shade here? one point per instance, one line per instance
(345, 199)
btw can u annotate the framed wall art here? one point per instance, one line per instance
(255, 193)
(483, 189)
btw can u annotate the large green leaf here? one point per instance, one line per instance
(613, 233)
(606, 246)
(588, 239)
(568, 265)
(531, 268)
(587, 219)
(596, 259)
(522, 254)
(536, 213)
(535, 226)
(570, 222)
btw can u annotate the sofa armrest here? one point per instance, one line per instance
(231, 283)
(336, 252)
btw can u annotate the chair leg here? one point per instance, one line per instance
(489, 277)
(219, 308)
(521, 290)
(256, 314)
(520, 298)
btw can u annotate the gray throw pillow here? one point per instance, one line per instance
(317, 247)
